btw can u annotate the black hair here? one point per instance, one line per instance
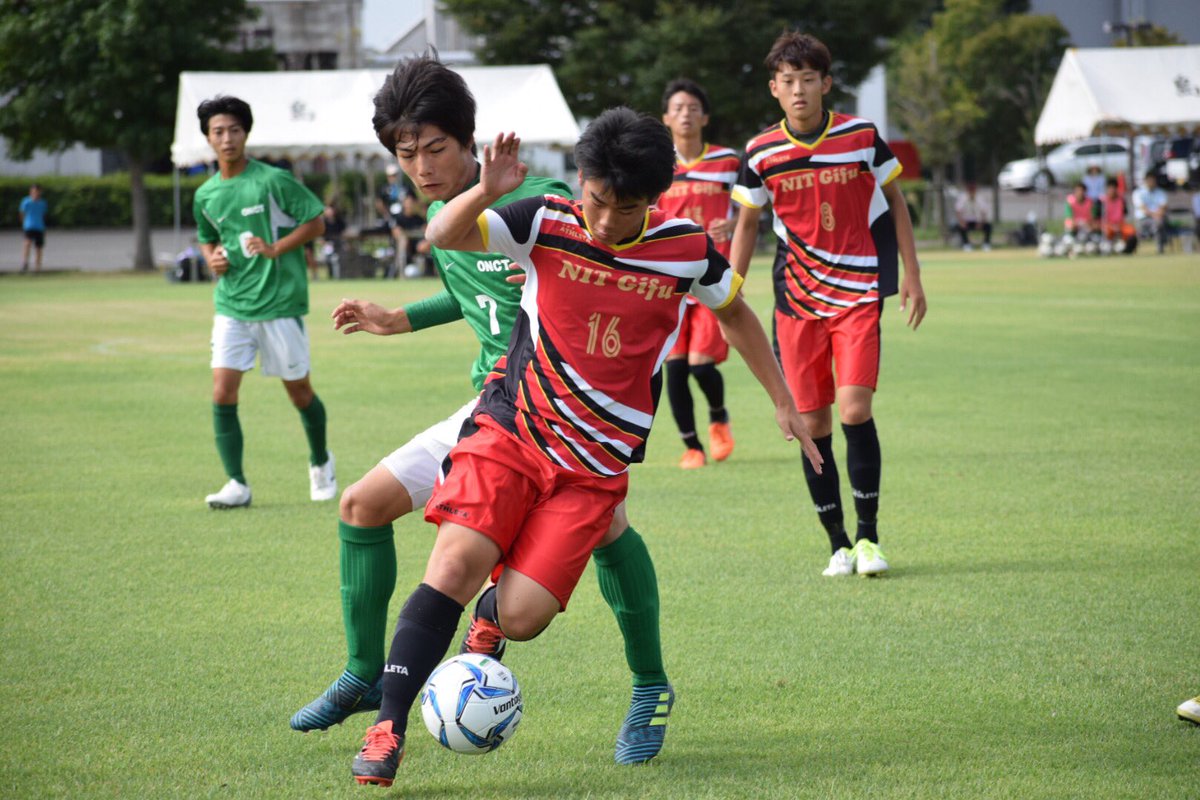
(423, 91)
(1112, 182)
(801, 50)
(224, 104)
(632, 154)
(687, 86)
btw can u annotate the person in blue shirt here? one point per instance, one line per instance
(33, 222)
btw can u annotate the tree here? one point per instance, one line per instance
(996, 68)
(614, 52)
(105, 73)
(933, 106)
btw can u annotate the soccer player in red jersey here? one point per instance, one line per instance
(704, 178)
(532, 484)
(840, 220)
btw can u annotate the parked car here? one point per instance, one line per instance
(1066, 164)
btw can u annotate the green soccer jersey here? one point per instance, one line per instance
(476, 289)
(269, 203)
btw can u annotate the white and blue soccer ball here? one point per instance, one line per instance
(471, 704)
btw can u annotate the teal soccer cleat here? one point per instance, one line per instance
(345, 696)
(641, 736)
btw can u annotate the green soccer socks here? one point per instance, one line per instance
(630, 588)
(228, 434)
(368, 569)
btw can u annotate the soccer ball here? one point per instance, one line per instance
(471, 704)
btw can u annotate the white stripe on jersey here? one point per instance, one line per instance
(864, 285)
(713, 177)
(581, 451)
(768, 152)
(676, 269)
(566, 411)
(845, 157)
(619, 410)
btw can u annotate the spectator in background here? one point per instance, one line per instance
(1094, 184)
(331, 247)
(412, 249)
(1079, 218)
(1150, 211)
(1114, 223)
(33, 223)
(1196, 216)
(972, 214)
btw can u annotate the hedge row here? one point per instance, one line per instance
(86, 202)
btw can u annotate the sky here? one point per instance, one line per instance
(384, 20)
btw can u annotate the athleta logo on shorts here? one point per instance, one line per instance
(399, 669)
(492, 264)
(458, 512)
(258, 209)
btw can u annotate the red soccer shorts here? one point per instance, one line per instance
(700, 333)
(809, 349)
(546, 520)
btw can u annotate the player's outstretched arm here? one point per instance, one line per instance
(912, 294)
(455, 226)
(352, 316)
(745, 236)
(745, 333)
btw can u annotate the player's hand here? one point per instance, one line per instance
(219, 263)
(352, 316)
(793, 427)
(516, 274)
(502, 169)
(259, 247)
(721, 230)
(912, 297)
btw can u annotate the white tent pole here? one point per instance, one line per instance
(178, 225)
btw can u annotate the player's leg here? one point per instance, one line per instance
(806, 354)
(629, 585)
(679, 394)
(402, 481)
(39, 245)
(26, 244)
(233, 351)
(285, 354)
(855, 341)
(460, 562)
(707, 349)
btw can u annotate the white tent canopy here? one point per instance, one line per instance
(1122, 90)
(328, 113)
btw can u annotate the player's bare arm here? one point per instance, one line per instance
(746, 334)
(745, 235)
(352, 316)
(912, 295)
(501, 171)
(297, 238)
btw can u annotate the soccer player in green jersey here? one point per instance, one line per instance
(252, 222)
(425, 115)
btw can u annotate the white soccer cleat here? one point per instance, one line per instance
(840, 563)
(322, 482)
(868, 558)
(232, 495)
(1190, 710)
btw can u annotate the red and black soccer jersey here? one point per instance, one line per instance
(580, 380)
(701, 188)
(837, 241)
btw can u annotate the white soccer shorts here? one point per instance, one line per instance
(416, 464)
(281, 345)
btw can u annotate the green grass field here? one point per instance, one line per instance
(1041, 439)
